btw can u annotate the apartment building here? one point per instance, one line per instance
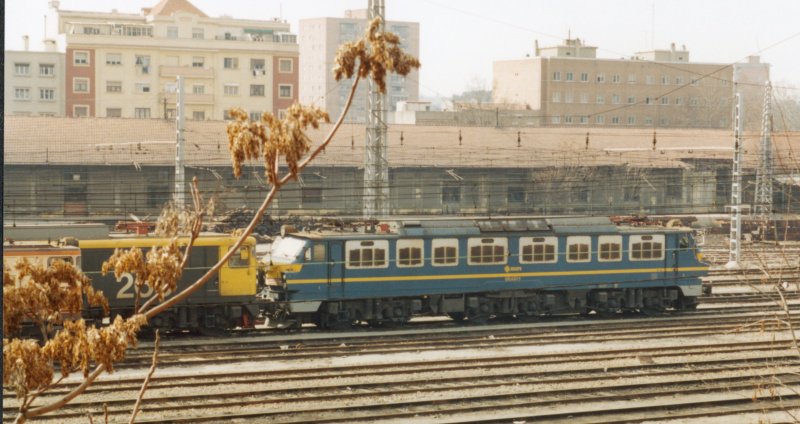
(126, 65)
(320, 39)
(34, 81)
(568, 85)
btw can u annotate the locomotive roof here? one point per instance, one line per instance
(477, 227)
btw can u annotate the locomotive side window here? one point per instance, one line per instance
(487, 251)
(609, 248)
(318, 253)
(445, 252)
(537, 250)
(241, 258)
(647, 248)
(367, 254)
(579, 248)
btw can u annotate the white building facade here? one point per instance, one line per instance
(34, 82)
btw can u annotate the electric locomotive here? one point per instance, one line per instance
(477, 269)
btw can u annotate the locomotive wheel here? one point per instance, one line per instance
(477, 317)
(456, 316)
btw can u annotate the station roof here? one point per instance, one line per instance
(150, 142)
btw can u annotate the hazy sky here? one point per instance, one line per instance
(460, 39)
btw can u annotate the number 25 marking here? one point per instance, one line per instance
(127, 291)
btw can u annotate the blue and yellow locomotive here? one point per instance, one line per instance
(478, 269)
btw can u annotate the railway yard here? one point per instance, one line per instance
(731, 360)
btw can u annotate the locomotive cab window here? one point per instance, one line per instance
(579, 248)
(410, 253)
(367, 254)
(609, 248)
(318, 253)
(487, 251)
(538, 250)
(241, 258)
(647, 248)
(445, 252)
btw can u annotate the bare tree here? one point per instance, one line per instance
(28, 368)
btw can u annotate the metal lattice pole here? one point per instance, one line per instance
(180, 189)
(764, 176)
(736, 186)
(376, 168)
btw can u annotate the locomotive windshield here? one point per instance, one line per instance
(288, 248)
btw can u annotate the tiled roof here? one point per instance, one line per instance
(168, 7)
(143, 142)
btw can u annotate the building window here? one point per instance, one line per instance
(487, 251)
(198, 61)
(80, 85)
(557, 76)
(172, 32)
(599, 119)
(679, 80)
(22, 93)
(113, 59)
(695, 82)
(601, 78)
(569, 76)
(113, 112)
(81, 111)
(601, 99)
(648, 100)
(615, 119)
(256, 89)
(679, 100)
(615, 99)
(538, 250)
(693, 101)
(22, 69)
(644, 248)
(631, 78)
(579, 248)
(568, 97)
(142, 87)
(451, 194)
(445, 252)
(556, 97)
(665, 79)
(650, 80)
(47, 70)
(230, 63)
(285, 66)
(231, 89)
(285, 91)
(515, 195)
(664, 100)
(631, 120)
(141, 112)
(138, 31)
(281, 113)
(199, 115)
(584, 119)
(555, 119)
(410, 253)
(567, 119)
(80, 58)
(257, 65)
(609, 248)
(198, 89)
(47, 94)
(143, 63)
(616, 79)
(584, 98)
(367, 253)
(631, 100)
(114, 86)
(648, 120)
(198, 33)
(255, 115)
(584, 77)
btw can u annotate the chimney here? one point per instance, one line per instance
(536, 46)
(672, 47)
(25, 43)
(49, 45)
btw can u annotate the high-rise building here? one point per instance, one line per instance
(320, 39)
(126, 65)
(568, 85)
(34, 81)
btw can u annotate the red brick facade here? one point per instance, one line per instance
(83, 72)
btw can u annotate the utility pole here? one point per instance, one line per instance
(180, 190)
(764, 176)
(736, 185)
(376, 164)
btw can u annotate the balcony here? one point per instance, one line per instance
(185, 71)
(191, 99)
